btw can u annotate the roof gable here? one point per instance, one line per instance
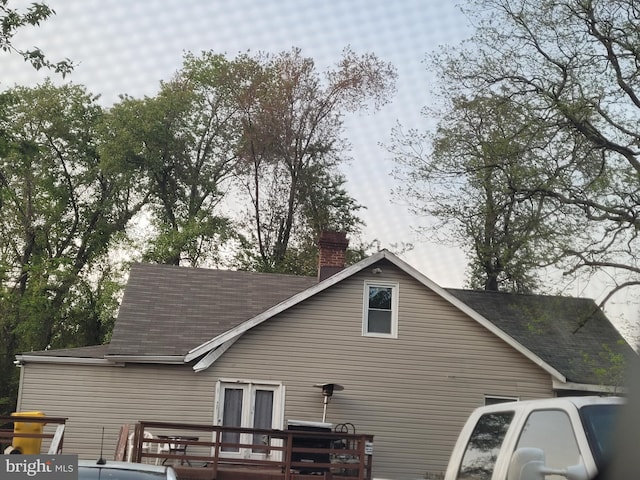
(209, 348)
(539, 327)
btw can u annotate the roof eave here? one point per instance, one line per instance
(208, 360)
(589, 387)
(162, 359)
(22, 359)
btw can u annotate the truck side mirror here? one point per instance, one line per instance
(529, 464)
(526, 464)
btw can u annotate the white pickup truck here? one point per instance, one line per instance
(555, 438)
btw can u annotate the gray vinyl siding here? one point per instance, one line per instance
(412, 393)
(93, 397)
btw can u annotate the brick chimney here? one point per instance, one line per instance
(333, 250)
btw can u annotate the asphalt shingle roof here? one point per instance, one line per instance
(168, 310)
(571, 334)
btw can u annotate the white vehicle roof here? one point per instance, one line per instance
(577, 402)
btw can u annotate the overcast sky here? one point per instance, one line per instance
(129, 46)
(123, 46)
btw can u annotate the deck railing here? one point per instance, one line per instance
(216, 452)
(26, 432)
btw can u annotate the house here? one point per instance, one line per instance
(218, 347)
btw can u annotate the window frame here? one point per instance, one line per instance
(395, 295)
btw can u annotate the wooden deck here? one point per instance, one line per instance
(207, 452)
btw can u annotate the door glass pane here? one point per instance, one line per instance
(232, 416)
(483, 447)
(262, 416)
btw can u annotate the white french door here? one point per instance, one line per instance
(250, 405)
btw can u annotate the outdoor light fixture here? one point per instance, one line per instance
(327, 393)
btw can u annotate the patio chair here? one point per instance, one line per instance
(146, 446)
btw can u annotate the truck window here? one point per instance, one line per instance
(599, 422)
(551, 431)
(484, 444)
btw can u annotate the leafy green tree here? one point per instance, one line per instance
(292, 147)
(575, 65)
(472, 175)
(61, 209)
(184, 141)
(12, 19)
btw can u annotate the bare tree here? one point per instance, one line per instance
(470, 175)
(573, 65)
(292, 134)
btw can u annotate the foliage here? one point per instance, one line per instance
(573, 65)
(569, 71)
(11, 20)
(483, 158)
(609, 367)
(61, 209)
(255, 129)
(183, 142)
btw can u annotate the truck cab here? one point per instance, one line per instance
(554, 438)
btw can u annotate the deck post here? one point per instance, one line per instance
(137, 443)
(361, 456)
(216, 452)
(287, 455)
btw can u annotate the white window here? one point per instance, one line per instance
(247, 404)
(380, 318)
